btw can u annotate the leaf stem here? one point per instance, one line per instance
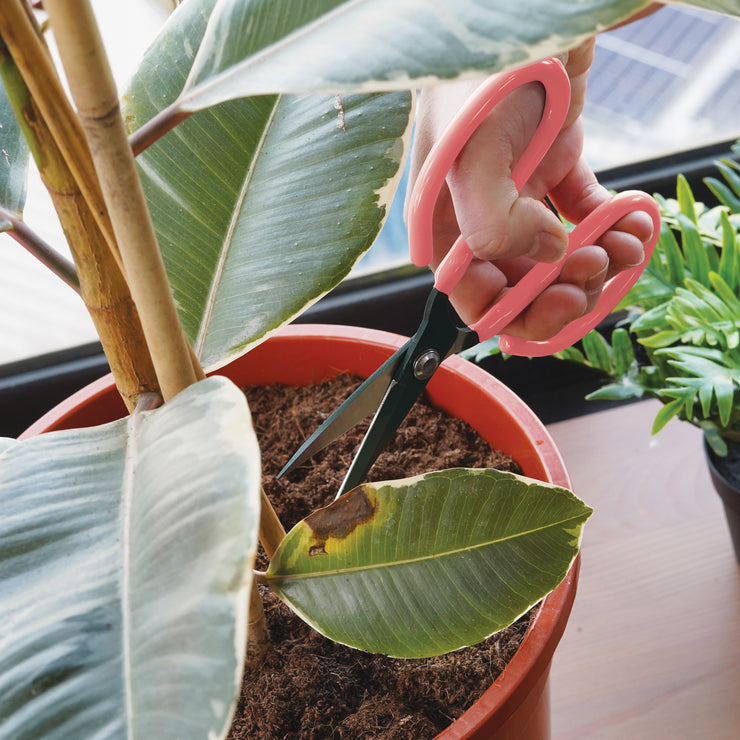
(41, 250)
(156, 127)
(271, 532)
(37, 69)
(94, 93)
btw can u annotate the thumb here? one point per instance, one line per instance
(494, 219)
(499, 224)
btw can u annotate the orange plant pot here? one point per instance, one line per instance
(516, 706)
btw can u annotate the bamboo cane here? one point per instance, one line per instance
(100, 280)
(94, 93)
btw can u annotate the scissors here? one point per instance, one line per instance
(395, 386)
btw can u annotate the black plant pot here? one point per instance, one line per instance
(725, 474)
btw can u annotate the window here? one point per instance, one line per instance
(666, 83)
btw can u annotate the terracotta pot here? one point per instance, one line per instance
(516, 706)
(727, 489)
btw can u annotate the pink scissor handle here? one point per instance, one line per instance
(551, 74)
(531, 285)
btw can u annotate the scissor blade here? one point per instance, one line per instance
(364, 400)
(393, 409)
(438, 336)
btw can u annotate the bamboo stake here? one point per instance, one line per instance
(96, 98)
(99, 279)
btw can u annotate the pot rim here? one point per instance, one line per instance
(541, 639)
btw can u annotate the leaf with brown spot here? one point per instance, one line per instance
(427, 565)
(339, 519)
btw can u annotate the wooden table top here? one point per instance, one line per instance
(652, 649)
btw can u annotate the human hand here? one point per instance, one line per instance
(508, 231)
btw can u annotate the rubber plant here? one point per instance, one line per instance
(270, 136)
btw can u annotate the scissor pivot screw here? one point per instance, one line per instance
(426, 364)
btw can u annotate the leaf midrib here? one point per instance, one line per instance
(411, 561)
(127, 491)
(218, 274)
(197, 89)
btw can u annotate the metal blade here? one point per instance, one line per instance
(360, 404)
(438, 336)
(392, 411)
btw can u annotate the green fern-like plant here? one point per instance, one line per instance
(680, 340)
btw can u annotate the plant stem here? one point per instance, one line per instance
(155, 128)
(271, 530)
(35, 65)
(42, 251)
(94, 93)
(258, 636)
(271, 534)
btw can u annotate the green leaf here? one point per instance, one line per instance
(714, 438)
(729, 265)
(624, 353)
(666, 413)
(661, 339)
(572, 354)
(598, 352)
(625, 389)
(731, 173)
(696, 315)
(706, 375)
(694, 250)
(651, 320)
(728, 7)
(260, 205)
(482, 350)
(14, 153)
(727, 297)
(676, 270)
(427, 565)
(705, 395)
(125, 561)
(725, 396)
(724, 194)
(251, 47)
(685, 198)
(709, 305)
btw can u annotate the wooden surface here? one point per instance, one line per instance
(652, 649)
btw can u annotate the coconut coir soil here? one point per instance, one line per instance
(310, 687)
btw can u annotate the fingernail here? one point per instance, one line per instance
(547, 247)
(595, 282)
(639, 261)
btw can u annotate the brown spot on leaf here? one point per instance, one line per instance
(339, 518)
